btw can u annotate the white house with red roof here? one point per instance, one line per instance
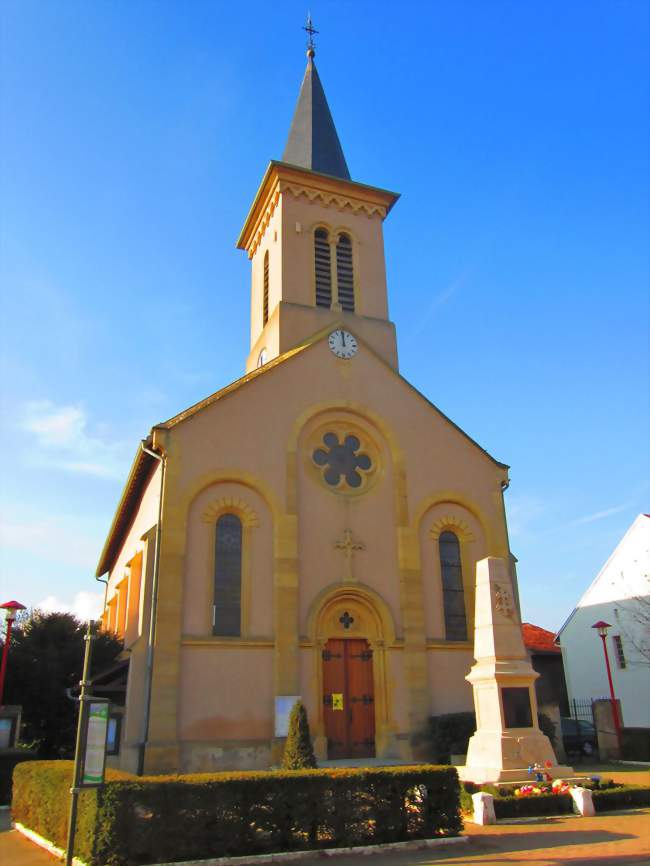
(619, 596)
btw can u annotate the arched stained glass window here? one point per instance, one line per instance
(227, 576)
(265, 301)
(452, 587)
(345, 272)
(323, 268)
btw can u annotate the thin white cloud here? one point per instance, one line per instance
(85, 605)
(523, 512)
(61, 441)
(64, 539)
(598, 515)
(438, 300)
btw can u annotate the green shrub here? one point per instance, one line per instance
(607, 796)
(450, 733)
(547, 727)
(41, 801)
(622, 797)
(139, 820)
(298, 751)
(537, 804)
(8, 760)
(635, 743)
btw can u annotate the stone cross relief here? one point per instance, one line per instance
(348, 546)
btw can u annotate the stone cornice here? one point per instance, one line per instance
(334, 192)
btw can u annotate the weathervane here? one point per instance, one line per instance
(311, 48)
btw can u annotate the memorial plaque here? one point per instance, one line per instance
(516, 708)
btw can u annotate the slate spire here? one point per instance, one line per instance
(313, 142)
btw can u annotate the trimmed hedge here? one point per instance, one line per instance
(139, 820)
(625, 797)
(8, 760)
(506, 805)
(527, 807)
(41, 801)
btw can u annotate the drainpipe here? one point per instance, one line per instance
(152, 616)
(105, 582)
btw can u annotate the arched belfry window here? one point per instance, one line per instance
(265, 300)
(323, 268)
(345, 272)
(452, 587)
(227, 576)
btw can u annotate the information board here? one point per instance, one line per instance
(95, 750)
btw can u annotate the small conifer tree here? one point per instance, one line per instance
(298, 751)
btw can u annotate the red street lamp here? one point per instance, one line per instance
(11, 607)
(602, 627)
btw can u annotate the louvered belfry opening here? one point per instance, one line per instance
(265, 302)
(323, 268)
(345, 273)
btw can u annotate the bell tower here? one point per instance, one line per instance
(315, 240)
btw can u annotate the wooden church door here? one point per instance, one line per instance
(349, 699)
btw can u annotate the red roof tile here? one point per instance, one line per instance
(537, 639)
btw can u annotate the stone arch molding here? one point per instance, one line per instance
(452, 522)
(375, 622)
(450, 500)
(244, 511)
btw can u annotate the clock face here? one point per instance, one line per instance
(261, 359)
(343, 344)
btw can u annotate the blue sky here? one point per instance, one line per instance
(134, 136)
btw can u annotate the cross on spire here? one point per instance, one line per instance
(311, 31)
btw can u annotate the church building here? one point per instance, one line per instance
(313, 529)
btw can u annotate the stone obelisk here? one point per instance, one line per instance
(507, 739)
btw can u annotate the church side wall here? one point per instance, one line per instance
(138, 547)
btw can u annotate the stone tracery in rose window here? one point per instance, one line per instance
(343, 463)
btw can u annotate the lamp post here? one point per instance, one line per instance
(601, 626)
(11, 607)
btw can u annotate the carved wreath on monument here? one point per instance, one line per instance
(503, 600)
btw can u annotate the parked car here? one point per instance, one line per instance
(579, 737)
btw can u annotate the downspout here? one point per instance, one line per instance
(152, 616)
(105, 582)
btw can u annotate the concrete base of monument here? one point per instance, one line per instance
(505, 756)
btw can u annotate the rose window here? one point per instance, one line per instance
(342, 460)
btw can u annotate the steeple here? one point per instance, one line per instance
(313, 142)
(315, 240)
